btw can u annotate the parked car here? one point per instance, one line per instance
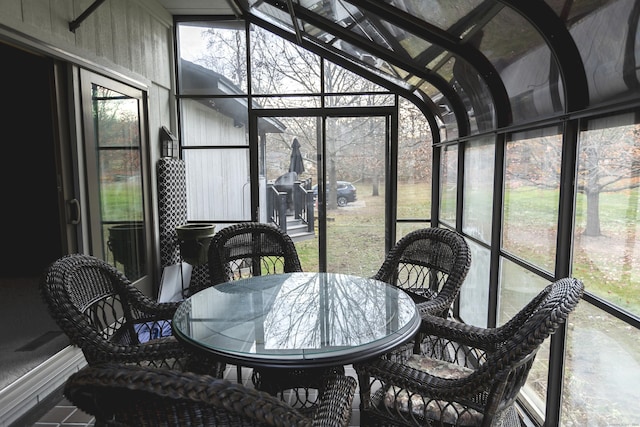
(346, 192)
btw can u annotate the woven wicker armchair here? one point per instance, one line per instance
(463, 375)
(251, 249)
(254, 249)
(137, 396)
(430, 264)
(111, 320)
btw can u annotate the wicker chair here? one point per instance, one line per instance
(251, 249)
(464, 375)
(110, 320)
(430, 264)
(138, 396)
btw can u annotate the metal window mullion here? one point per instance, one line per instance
(566, 214)
(496, 228)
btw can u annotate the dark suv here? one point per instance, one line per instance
(346, 192)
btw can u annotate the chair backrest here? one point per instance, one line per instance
(88, 300)
(525, 332)
(127, 395)
(251, 249)
(431, 265)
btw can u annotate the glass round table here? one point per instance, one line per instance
(297, 320)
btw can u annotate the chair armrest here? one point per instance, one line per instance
(143, 304)
(420, 382)
(488, 339)
(158, 349)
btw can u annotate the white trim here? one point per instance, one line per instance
(33, 387)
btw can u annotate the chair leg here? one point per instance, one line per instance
(239, 373)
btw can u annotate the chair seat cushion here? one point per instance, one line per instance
(448, 412)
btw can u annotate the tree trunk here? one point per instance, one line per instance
(593, 214)
(376, 190)
(332, 195)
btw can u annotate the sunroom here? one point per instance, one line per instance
(513, 123)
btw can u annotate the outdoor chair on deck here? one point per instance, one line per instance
(429, 264)
(111, 320)
(463, 375)
(135, 396)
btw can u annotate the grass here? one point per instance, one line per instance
(608, 264)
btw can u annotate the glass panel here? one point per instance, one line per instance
(363, 57)
(215, 122)
(442, 13)
(607, 248)
(578, 10)
(404, 228)
(414, 163)
(212, 58)
(531, 196)
(479, 160)
(474, 294)
(611, 72)
(524, 61)
(449, 126)
(413, 45)
(356, 148)
(355, 187)
(339, 80)
(273, 14)
(475, 95)
(279, 66)
(117, 133)
(602, 370)
(218, 184)
(338, 11)
(517, 288)
(448, 184)
(284, 102)
(360, 100)
(275, 158)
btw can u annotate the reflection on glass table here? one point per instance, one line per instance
(297, 320)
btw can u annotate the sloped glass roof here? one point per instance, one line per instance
(484, 64)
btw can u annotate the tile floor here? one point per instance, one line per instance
(64, 414)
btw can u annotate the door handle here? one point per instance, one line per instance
(74, 211)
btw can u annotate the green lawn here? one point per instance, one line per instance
(608, 264)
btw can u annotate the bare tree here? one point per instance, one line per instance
(609, 161)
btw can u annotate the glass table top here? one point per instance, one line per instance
(297, 319)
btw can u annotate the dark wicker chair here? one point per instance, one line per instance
(138, 396)
(464, 375)
(111, 320)
(251, 249)
(430, 264)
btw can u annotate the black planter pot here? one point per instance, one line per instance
(194, 240)
(127, 243)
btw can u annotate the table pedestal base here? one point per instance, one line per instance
(299, 387)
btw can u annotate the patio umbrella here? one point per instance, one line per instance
(296, 165)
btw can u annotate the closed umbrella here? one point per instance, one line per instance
(296, 165)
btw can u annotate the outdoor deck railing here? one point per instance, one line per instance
(299, 204)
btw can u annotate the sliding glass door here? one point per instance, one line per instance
(115, 156)
(342, 160)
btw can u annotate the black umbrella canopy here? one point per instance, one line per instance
(296, 165)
